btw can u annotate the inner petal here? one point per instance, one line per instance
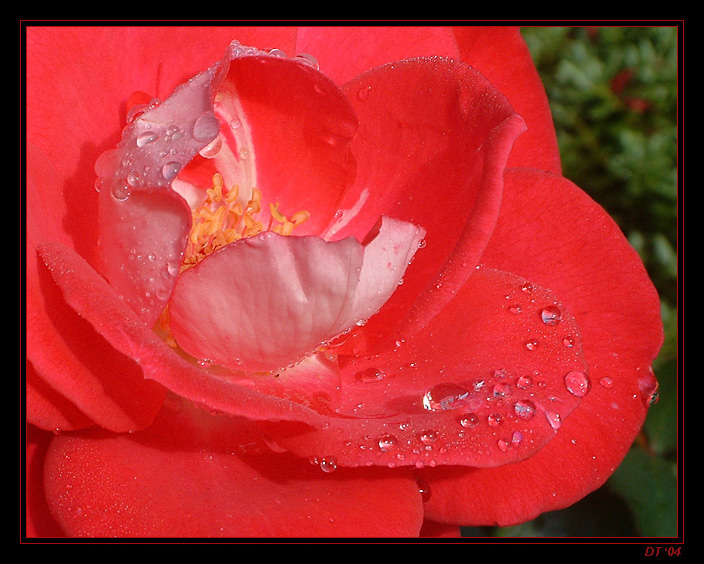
(266, 302)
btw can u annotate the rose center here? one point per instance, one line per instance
(222, 219)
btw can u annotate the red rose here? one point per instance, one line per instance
(356, 300)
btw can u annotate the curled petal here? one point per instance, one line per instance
(265, 302)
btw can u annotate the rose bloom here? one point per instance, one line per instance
(314, 282)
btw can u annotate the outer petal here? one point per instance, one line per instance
(605, 285)
(197, 475)
(500, 54)
(75, 378)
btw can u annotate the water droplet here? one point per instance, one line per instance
(606, 382)
(428, 437)
(235, 124)
(363, 92)
(387, 442)
(577, 383)
(206, 127)
(554, 419)
(121, 190)
(502, 390)
(469, 420)
(524, 409)
(444, 396)
(170, 170)
(244, 153)
(516, 438)
(212, 149)
(524, 382)
(495, 419)
(173, 133)
(135, 112)
(568, 341)
(328, 464)
(424, 490)
(146, 138)
(277, 53)
(369, 375)
(527, 288)
(307, 59)
(503, 445)
(516, 308)
(551, 315)
(532, 345)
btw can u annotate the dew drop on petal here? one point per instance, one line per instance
(577, 383)
(532, 344)
(428, 437)
(554, 419)
(121, 190)
(424, 490)
(524, 409)
(444, 396)
(524, 382)
(606, 382)
(170, 170)
(551, 315)
(206, 127)
(387, 442)
(495, 419)
(369, 375)
(146, 138)
(328, 464)
(469, 420)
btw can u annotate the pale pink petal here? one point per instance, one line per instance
(266, 302)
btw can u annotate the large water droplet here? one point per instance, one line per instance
(428, 437)
(524, 382)
(146, 138)
(469, 420)
(524, 409)
(387, 442)
(121, 190)
(170, 170)
(495, 419)
(328, 464)
(212, 149)
(577, 383)
(551, 315)
(206, 127)
(444, 396)
(554, 419)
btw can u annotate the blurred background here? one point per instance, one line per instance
(613, 92)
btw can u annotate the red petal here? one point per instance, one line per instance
(197, 475)
(488, 382)
(433, 141)
(603, 283)
(80, 365)
(500, 54)
(301, 127)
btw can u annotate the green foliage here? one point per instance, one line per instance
(613, 95)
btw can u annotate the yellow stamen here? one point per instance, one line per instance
(221, 219)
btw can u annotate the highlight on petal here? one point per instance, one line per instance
(266, 302)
